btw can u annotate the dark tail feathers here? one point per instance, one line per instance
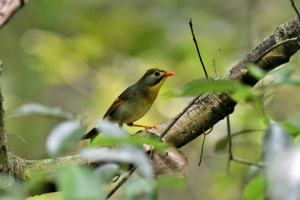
(92, 134)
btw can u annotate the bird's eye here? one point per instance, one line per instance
(156, 73)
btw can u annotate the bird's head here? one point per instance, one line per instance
(155, 77)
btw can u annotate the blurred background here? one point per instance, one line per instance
(80, 55)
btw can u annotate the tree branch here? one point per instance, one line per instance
(4, 151)
(211, 108)
(8, 8)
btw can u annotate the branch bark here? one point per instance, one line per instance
(4, 151)
(8, 8)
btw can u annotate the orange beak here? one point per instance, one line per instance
(169, 74)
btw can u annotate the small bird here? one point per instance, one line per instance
(135, 101)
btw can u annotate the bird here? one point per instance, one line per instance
(135, 101)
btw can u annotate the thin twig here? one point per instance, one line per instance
(201, 154)
(296, 10)
(229, 144)
(205, 134)
(246, 162)
(215, 68)
(197, 97)
(124, 180)
(195, 41)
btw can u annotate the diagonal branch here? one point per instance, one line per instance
(211, 108)
(8, 9)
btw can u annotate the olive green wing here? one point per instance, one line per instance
(126, 95)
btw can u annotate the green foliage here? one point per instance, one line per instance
(79, 183)
(275, 141)
(257, 72)
(240, 93)
(255, 189)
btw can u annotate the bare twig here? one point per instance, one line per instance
(215, 68)
(205, 134)
(202, 147)
(195, 99)
(231, 157)
(195, 41)
(229, 144)
(124, 180)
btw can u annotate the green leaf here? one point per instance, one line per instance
(79, 183)
(292, 127)
(106, 172)
(135, 141)
(240, 93)
(275, 141)
(38, 109)
(64, 137)
(138, 185)
(252, 171)
(255, 189)
(257, 72)
(283, 75)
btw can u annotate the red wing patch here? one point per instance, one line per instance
(115, 104)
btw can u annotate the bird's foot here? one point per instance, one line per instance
(151, 126)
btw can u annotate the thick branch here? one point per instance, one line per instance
(8, 8)
(211, 108)
(4, 152)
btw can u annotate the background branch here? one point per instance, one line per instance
(4, 151)
(8, 8)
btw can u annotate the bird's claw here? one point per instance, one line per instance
(152, 126)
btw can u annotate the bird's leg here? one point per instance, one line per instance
(143, 126)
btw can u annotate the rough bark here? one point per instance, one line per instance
(4, 152)
(8, 8)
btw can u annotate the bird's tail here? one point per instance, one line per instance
(92, 134)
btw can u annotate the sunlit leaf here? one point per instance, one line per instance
(79, 183)
(64, 136)
(38, 109)
(275, 141)
(136, 141)
(255, 189)
(252, 171)
(292, 127)
(240, 93)
(257, 72)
